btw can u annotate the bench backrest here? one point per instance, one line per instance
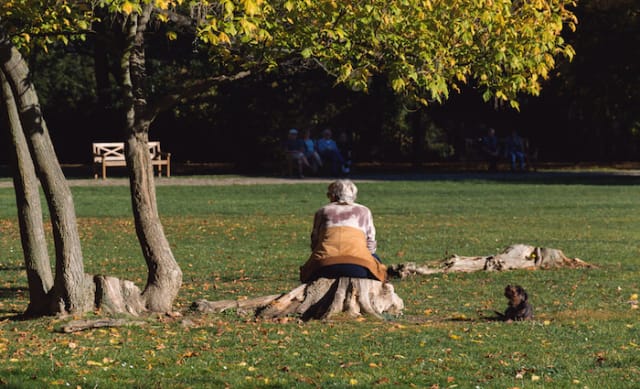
(114, 151)
(154, 149)
(110, 151)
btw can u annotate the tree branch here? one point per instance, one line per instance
(193, 90)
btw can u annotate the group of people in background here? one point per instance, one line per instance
(513, 149)
(311, 154)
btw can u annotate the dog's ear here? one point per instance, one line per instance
(522, 292)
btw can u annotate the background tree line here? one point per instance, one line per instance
(587, 110)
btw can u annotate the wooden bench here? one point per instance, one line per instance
(107, 154)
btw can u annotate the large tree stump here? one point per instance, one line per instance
(320, 299)
(518, 256)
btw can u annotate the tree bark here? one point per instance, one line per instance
(69, 292)
(165, 277)
(32, 234)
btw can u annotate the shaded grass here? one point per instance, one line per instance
(250, 240)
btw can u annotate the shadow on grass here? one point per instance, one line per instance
(8, 311)
(541, 178)
(566, 176)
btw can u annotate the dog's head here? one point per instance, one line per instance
(516, 294)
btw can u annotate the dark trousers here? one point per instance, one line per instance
(344, 270)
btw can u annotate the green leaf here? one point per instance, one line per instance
(306, 53)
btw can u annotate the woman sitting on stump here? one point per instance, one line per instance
(343, 239)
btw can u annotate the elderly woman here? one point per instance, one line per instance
(343, 239)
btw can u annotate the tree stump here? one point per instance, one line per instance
(113, 295)
(320, 299)
(518, 256)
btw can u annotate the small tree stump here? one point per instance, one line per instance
(113, 295)
(320, 299)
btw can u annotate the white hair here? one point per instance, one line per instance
(343, 191)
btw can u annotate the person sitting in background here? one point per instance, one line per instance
(345, 145)
(515, 151)
(294, 147)
(490, 150)
(330, 154)
(343, 239)
(310, 151)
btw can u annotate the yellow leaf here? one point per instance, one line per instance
(251, 7)
(127, 7)
(93, 363)
(398, 84)
(172, 35)
(162, 4)
(353, 382)
(288, 5)
(223, 38)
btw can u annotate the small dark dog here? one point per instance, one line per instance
(519, 307)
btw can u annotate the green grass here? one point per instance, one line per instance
(235, 241)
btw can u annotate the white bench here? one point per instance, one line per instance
(107, 154)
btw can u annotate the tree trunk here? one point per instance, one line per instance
(321, 299)
(69, 284)
(32, 234)
(165, 277)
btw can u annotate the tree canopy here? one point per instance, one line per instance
(427, 48)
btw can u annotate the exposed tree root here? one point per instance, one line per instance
(320, 299)
(518, 256)
(81, 325)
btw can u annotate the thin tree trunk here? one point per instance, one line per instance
(25, 183)
(70, 281)
(165, 277)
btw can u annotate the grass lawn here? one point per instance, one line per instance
(236, 241)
